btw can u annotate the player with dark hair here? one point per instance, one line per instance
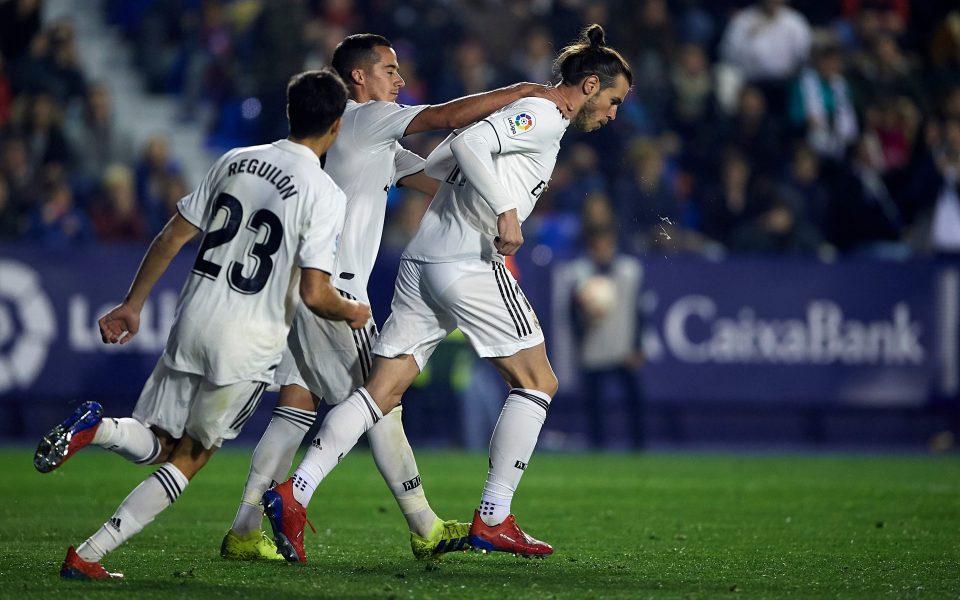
(452, 275)
(270, 216)
(326, 359)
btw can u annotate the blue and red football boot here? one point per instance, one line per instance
(63, 441)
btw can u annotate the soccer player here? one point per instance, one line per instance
(270, 216)
(452, 275)
(326, 359)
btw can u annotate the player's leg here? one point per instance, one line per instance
(285, 504)
(533, 385)
(206, 414)
(292, 418)
(131, 437)
(270, 463)
(500, 324)
(415, 330)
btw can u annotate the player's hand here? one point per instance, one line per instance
(119, 325)
(359, 315)
(510, 237)
(551, 93)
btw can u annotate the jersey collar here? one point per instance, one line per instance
(297, 149)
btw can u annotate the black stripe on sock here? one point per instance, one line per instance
(535, 399)
(295, 415)
(173, 480)
(503, 295)
(153, 453)
(366, 398)
(169, 484)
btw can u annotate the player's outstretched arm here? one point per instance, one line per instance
(122, 323)
(470, 109)
(319, 295)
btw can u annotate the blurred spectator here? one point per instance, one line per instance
(95, 135)
(781, 227)
(647, 40)
(751, 131)
(19, 23)
(11, 222)
(730, 202)
(691, 85)
(535, 62)
(804, 180)
(64, 66)
(154, 166)
(41, 130)
(945, 54)
(57, 222)
(645, 199)
(876, 17)
(116, 216)
(936, 186)
(577, 177)
(172, 189)
(607, 323)
(469, 71)
(821, 105)
(6, 95)
(18, 172)
(864, 217)
(768, 43)
(886, 73)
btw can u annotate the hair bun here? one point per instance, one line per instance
(594, 34)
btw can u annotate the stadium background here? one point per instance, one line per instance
(800, 286)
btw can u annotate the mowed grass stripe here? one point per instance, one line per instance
(624, 526)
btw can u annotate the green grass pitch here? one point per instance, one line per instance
(624, 526)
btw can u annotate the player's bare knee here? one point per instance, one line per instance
(542, 382)
(167, 444)
(297, 397)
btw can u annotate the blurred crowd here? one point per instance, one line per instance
(811, 127)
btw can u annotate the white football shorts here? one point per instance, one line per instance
(326, 357)
(481, 298)
(179, 403)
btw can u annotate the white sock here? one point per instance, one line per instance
(137, 510)
(394, 458)
(341, 429)
(511, 447)
(129, 438)
(271, 462)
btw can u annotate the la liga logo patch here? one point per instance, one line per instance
(520, 123)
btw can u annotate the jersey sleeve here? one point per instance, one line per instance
(407, 163)
(382, 123)
(525, 128)
(320, 236)
(193, 206)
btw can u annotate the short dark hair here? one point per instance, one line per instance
(357, 51)
(315, 99)
(590, 55)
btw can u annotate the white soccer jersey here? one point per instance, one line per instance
(459, 223)
(265, 210)
(365, 160)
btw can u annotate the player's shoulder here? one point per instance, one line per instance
(537, 116)
(379, 108)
